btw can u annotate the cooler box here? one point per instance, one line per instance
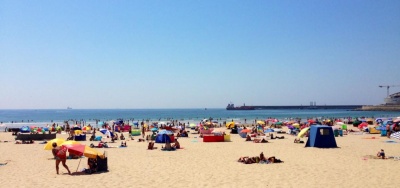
(336, 133)
(212, 138)
(135, 132)
(81, 137)
(383, 132)
(227, 138)
(98, 138)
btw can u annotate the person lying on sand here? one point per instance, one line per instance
(297, 140)
(123, 144)
(273, 159)
(140, 140)
(247, 160)
(276, 137)
(258, 140)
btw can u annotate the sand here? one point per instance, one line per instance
(202, 164)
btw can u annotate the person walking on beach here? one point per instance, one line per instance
(61, 156)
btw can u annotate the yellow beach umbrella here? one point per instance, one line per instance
(261, 122)
(92, 153)
(230, 125)
(302, 133)
(49, 144)
(296, 125)
(70, 142)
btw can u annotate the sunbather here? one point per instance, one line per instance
(273, 159)
(248, 138)
(176, 144)
(123, 144)
(258, 140)
(297, 140)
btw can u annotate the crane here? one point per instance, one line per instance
(387, 87)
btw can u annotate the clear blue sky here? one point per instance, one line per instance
(196, 54)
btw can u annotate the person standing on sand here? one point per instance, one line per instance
(60, 156)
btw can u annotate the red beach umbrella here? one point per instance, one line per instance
(245, 131)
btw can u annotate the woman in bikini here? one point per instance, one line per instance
(60, 156)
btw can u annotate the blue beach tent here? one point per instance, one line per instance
(163, 136)
(321, 136)
(25, 129)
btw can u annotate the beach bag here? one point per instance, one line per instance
(62, 152)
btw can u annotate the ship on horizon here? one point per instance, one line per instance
(69, 108)
(231, 106)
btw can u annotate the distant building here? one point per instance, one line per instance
(393, 99)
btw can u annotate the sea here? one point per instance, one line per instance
(42, 117)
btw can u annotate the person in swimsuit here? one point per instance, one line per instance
(59, 157)
(176, 144)
(381, 154)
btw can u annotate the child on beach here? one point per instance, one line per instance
(381, 154)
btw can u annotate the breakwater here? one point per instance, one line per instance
(316, 107)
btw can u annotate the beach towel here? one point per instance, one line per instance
(370, 138)
(172, 149)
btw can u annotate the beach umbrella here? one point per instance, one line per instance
(245, 131)
(396, 120)
(192, 125)
(296, 125)
(106, 132)
(92, 153)
(278, 123)
(70, 142)
(303, 132)
(261, 122)
(165, 132)
(49, 144)
(76, 148)
(215, 121)
(363, 124)
(395, 135)
(154, 129)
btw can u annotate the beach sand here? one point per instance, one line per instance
(202, 164)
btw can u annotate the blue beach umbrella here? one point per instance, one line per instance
(154, 129)
(165, 132)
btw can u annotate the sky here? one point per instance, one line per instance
(197, 54)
